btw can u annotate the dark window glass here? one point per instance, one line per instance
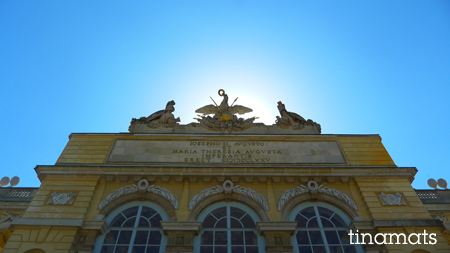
(301, 221)
(221, 250)
(220, 212)
(302, 238)
(315, 237)
(209, 221)
(338, 221)
(308, 212)
(319, 249)
(328, 234)
(146, 239)
(235, 223)
(143, 223)
(233, 230)
(121, 249)
(147, 212)
(141, 237)
(155, 221)
(336, 249)
(332, 237)
(349, 249)
(237, 238)
(155, 237)
(251, 238)
(220, 238)
(312, 223)
(129, 223)
(237, 249)
(248, 221)
(152, 249)
(138, 249)
(305, 249)
(236, 212)
(222, 223)
(130, 212)
(204, 249)
(207, 238)
(326, 223)
(117, 221)
(125, 237)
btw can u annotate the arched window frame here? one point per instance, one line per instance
(301, 206)
(201, 217)
(161, 211)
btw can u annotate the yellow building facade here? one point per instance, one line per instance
(224, 184)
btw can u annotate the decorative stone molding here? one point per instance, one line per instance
(313, 188)
(181, 235)
(228, 187)
(61, 198)
(142, 186)
(10, 216)
(278, 235)
(395, 199)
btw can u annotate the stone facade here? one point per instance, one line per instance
(183, 176)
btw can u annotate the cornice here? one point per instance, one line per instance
(243, 173)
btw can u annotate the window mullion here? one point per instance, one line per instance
(322, 232)
(133, 235)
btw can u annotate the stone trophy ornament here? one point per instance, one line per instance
(162, 118)
(224, 119)
(58, 198)
(292, 120)
(395, 199)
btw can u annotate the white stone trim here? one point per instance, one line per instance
(142, 186)
(313, 187)
(228, 187)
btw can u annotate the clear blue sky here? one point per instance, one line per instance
(355, 67)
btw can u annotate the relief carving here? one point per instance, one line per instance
(293, 120)
(224, 119)
(395, 199)
(142, 186)
(162, 118)
(314, 188)
(228, 187)
(61, 198)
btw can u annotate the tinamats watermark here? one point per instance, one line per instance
(393, 238)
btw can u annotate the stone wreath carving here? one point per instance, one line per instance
(313, 187)
(228, 187)
(61, 198)
(395, 199)
(9, 216)
(142, 186)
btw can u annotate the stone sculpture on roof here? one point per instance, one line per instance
(223, 118)
(163, 118)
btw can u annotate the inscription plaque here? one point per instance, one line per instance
(248, 152)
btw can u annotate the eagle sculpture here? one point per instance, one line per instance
(223, 112)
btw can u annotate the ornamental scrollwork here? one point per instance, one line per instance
(228, 187)
(395, 199)
(142, 186)
(313, 187)
(58, 198)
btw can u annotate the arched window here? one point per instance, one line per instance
(228, 228)
(134, 228)
(321, 228)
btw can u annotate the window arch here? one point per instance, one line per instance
(321, 228)
(134, 227)
(228, 228)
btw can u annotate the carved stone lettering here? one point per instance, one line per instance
(218, 151)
